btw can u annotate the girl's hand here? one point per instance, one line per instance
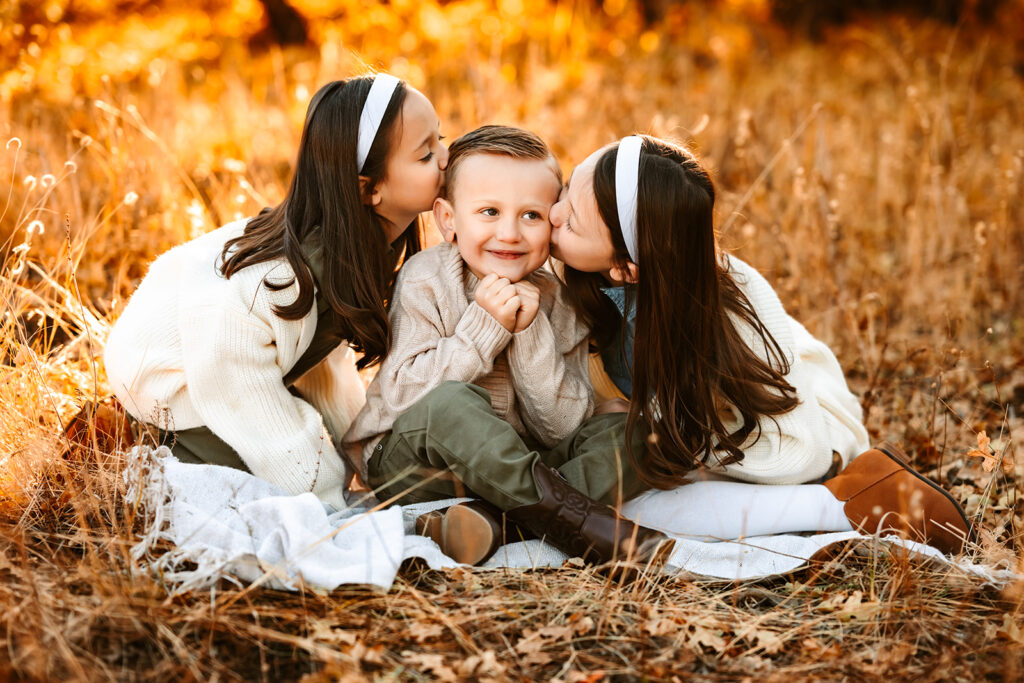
(529, 303)
(497, 296)
(612, 405)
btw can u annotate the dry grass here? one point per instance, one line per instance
(875, 177)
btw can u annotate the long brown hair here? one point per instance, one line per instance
(689, 358)
(325, 196)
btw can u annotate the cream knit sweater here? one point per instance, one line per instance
(537, 378)
(193, 348)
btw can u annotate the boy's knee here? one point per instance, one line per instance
(450, 392)
(441, 403)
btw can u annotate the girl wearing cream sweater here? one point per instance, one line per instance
(237, 346)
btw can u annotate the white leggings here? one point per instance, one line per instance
(724, 509)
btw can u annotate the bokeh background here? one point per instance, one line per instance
(869, 157)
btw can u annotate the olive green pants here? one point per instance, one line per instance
(452, 444)
(201, 446)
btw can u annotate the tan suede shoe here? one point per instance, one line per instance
(883, 493)
(468, 532)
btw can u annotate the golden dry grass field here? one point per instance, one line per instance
(874, 174)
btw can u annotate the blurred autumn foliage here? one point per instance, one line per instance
(869, 158)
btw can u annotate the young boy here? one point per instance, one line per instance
(485, 387)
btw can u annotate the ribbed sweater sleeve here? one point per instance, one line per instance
(548, 362)
(237, 387)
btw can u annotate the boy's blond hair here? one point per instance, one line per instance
(507, 141)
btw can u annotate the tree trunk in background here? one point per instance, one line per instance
(285, 26)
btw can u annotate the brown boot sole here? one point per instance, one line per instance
(895, 453)
(469, 535)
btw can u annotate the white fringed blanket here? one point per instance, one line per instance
(231, 524)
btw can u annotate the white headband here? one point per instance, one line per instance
(627, 179)
(373, 112)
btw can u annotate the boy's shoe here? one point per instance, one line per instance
(882, 492)
(582, 527)
(468, 532)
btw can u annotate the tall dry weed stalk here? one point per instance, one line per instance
(874, 178)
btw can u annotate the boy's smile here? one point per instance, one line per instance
(498, 214)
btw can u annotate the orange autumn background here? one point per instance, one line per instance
(869, 161)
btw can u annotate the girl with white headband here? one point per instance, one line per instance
(236, 349)
(722, 380)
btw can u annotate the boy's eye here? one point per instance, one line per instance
(428, 157)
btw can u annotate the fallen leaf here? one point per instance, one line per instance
(531, 646)
(486, 664)
(897, 654)
(361, 653)
(832, 603)
(706, 637)
(325, 633)
(581, 626)
(660, 626)
(820, 651)
(855, 608)
(1010, 630)
(984, 451)
(554, 633)
(768, 641)
(424, 631)
(428, 663)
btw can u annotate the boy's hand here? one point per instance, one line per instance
(612, 405)
(529, 303)
(498, 296)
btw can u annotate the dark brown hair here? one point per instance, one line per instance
(507, 141)
(689, 358)
(325, 193)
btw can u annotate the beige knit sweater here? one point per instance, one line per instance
(537, 378)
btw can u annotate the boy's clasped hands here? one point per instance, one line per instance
(513, 304)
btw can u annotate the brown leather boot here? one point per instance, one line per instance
(883, 493)
(469, 532)
(582, 527)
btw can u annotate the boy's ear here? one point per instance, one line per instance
(444, 219)
(630, 274)
(370, 195)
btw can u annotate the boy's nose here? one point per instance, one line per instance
(442, 157)
(507, 231)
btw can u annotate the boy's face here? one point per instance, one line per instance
(498, 214)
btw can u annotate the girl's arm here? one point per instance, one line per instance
(794, 447)
(235, 381)
(550, 370)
